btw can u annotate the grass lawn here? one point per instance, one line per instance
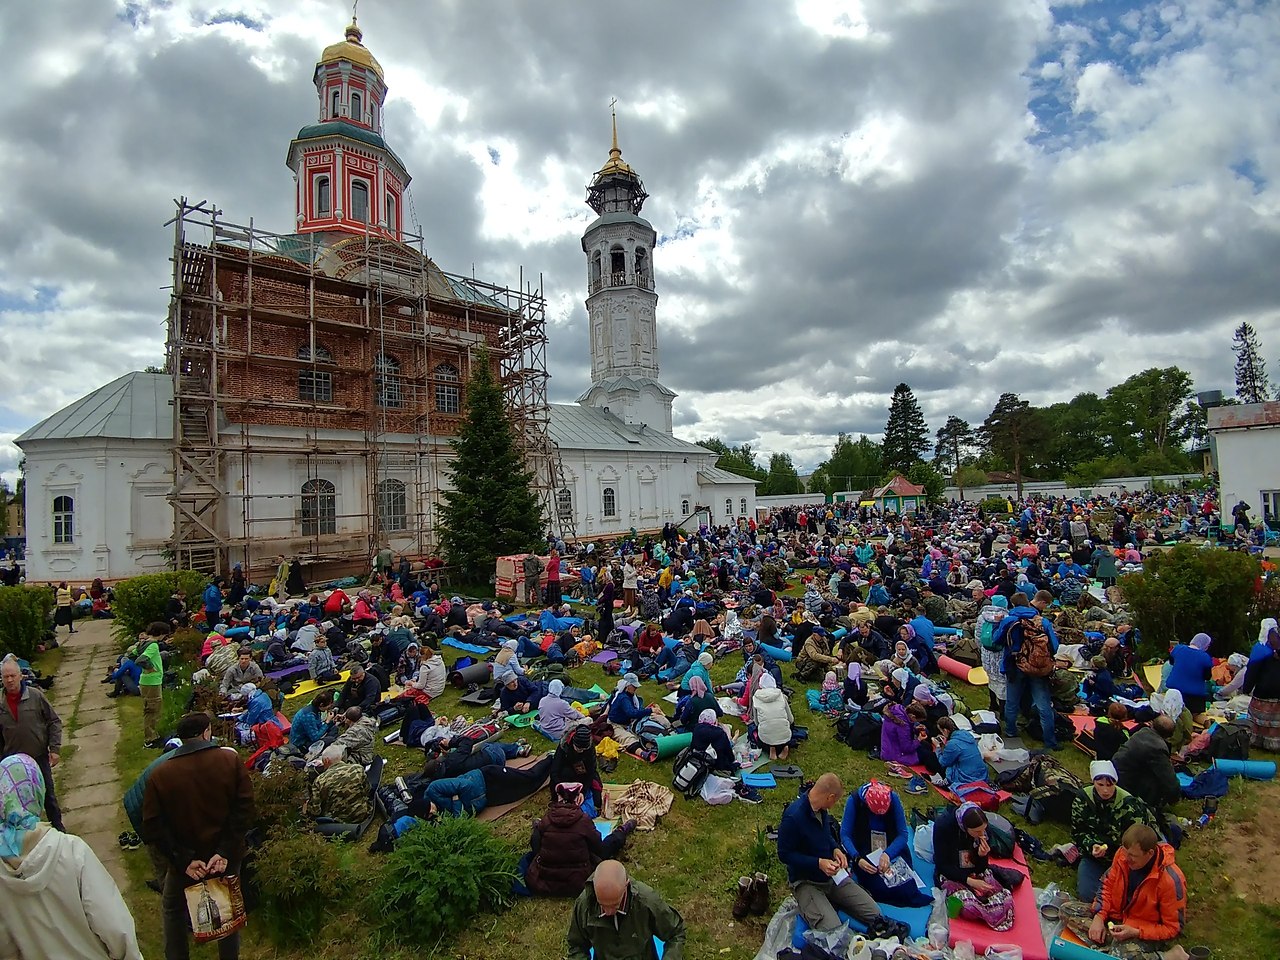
(698, 852)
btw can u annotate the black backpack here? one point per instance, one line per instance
(1229, 741)
(690, 770)
(860, 730)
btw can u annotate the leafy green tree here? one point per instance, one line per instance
(969, 476)
(1145, 412)
(906, 436)
(740, 460)
(954, 438)
(853, 465)
(783, 477)
(1073, 433)
(492, 510)
(1010, 429)
(1252, 385)
(926, 475)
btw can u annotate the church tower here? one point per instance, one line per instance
(621, 302)
(348, 180)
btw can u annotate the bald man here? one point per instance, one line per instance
(619, 918)
(818, 870)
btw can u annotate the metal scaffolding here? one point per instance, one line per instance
(314, 352)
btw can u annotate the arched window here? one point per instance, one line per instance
(728, 507)
(334, 98)
(743, 503)
(684, 508)
(564, 503)
(323, 197)
(617, 266)
(391, 211)
(64, 514)
(319, 508)
(392, 516)
(387, 384)
(609, 503)
(642, 267)
(597, 261)
(315, 386)
(357, 114)
(448, 393)
(359, 201)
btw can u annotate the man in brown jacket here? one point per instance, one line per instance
(28, 724)
(196, 809)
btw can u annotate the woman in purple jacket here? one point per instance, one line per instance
(898, 740)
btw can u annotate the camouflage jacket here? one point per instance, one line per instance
(341, 793)
(1093, 821)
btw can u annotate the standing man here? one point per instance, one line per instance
(817, 869)
(196, 808)
(531, 567)
(618, 918)
(151, 681)
(28, 724)
(553, 578)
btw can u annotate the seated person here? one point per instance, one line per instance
(258, 707)
(709, 735)
(320, 664)
(854, 689)
(953, 756)
(934, 708)
(1145, 766)
(361, 690)
(313, 722)
(1099, 818)
(1141, 904)
(699, 668)
(899, 737)
(406, 668)
(1110, 733)
(555, 712)
(1170, 704)
(471, 792)
(565, 845)
(625, 706)
(340, 793)
(431, 677)
(356, 737)
(960, 853)
(699, 699)
(807, 846)
(126, 674)
(874, 834)
(831, 696)
(672, 663)
(575, 762)
(771, 714)
(243, 671)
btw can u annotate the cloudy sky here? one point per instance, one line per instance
(969, 195)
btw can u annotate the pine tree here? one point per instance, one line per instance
(1010, 429)
(492, 510)
(1252, 385)
(906, 437)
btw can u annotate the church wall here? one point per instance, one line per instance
(649, 490)
(120, 517)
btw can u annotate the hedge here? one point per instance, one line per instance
(24, 619)
(140, 601)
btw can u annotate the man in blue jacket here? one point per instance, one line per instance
(1011, 640)
(817, 869)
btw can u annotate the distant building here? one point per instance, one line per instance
(1247, 439)
(899, 496)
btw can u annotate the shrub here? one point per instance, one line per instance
(278, 798)
(1188, 590)
(24, 619)
(995, 505)
(299, 875)
(438, 878)
(189, 643)
(139, 601)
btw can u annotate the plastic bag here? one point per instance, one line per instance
(777, 936)
(990, 743)
(1003, 951)
(836, 942)
(717, 790)
(923, 842)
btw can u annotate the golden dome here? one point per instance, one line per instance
(615, 163)
(353, 50)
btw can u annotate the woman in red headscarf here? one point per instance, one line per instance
(874, 835)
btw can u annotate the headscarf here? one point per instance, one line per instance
(901, 676)
(829, 682)
(1201, 641)
(707, 716)
(705, 659)
(512, 645)
(854, 672)
(697, 686)
(924, 695)
(963, 809)
(1266, 628)
(878, 797)
(1168, 703)
(1103, 768)
(21, 801)
(904, 652)
(568, 792)
(505, 677)
(911, 632)
(555, 687)
(767, 682)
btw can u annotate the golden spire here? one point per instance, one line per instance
(352, 48)
(615, 163)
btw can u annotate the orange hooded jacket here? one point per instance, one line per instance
(1157, 908)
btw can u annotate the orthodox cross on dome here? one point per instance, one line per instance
(616, 187)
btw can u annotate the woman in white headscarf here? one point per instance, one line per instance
(1170, 704)
(771, 714)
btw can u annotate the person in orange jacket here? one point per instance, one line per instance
(1141, 905)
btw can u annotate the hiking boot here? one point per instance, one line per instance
(760, 894)
(742, 902)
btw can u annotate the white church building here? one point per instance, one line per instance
(100, 472)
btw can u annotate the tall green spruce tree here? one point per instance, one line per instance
(491, 510)
(906, 437)
(1252, 385)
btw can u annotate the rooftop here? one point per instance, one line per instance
(133, 407)
(575, 427)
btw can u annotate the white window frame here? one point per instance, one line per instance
(319, 512)
(609, 503)
(64, 520)
(393, 510)
(363, 186)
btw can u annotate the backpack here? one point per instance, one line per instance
(860, 730)
(1229, 741)
(966, 649)
(690, 770)
(1047, 787)
(1033, 655)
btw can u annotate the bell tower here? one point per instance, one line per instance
(621, 302)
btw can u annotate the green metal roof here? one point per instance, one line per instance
(342, 128)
